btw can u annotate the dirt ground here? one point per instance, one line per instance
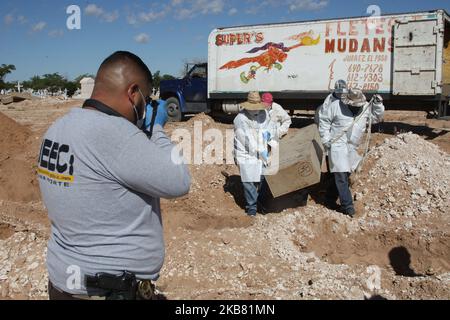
(397, 247)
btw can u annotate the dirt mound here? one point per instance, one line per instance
(201, 117)
(404, 183)
(18, 180)
(407, 176)
(12, 136)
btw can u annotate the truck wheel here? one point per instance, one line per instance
(174, 110)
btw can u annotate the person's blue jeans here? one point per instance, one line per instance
(341, 189)
(254, 193)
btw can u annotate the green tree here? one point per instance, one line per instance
(71, 87)
(4, 70)
(157, 78)
(52, 82)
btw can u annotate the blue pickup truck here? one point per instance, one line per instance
(186, 95)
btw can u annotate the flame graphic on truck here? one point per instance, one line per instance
(273, 56)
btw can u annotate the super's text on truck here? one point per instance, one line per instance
(403, 57)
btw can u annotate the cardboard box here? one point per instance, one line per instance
(300, 162)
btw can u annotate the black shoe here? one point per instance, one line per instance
(349, 212)
(261, 209)
(332, 205)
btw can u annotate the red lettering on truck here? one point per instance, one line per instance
(342, 45)
(329, 45)
(232, 39)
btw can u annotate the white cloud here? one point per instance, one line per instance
(195, 7)
(96, 11)
(152, 15)
(185, 13)
(56, 33)
(110, 16)
(8, 19)
(256, 7)
(38, 27)
(22, 19)
(232, 11)
(310, 5)
(131, 19)
(156, 13)
(176, 2)
(142, 38)
(215, 6)
(93, 10)
(181, 9)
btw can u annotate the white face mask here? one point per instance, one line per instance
(140, 122)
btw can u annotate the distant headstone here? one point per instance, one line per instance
(87, 87)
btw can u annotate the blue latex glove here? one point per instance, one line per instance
(161, 115)
(266, 136)
(264, 155)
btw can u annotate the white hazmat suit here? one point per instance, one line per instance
(336, 119)
(249, 143)
(327, 102)
(281, 118)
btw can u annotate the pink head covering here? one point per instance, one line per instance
(267, 99)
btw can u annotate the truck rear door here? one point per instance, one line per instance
(415, 55)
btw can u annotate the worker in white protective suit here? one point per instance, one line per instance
(340, 88)
(253, 132)
(342, 126)
(278, 115)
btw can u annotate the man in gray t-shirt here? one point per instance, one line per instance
(101, 179)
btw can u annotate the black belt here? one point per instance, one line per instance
(121, 287)
(104, 286)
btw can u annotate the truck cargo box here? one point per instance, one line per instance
(399, 55)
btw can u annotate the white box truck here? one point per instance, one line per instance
(403, 57)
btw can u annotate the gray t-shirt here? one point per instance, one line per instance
(101, 179)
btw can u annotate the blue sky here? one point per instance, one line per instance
(34, 36)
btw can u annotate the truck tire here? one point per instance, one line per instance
(174, 110)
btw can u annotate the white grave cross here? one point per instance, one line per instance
(19, 86)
